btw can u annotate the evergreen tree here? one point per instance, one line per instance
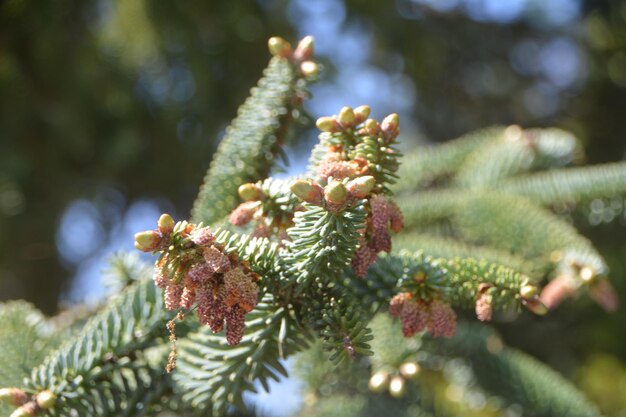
(266, 268)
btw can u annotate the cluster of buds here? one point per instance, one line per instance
(357, 145)
(357, 121)
(29, 406)
(272, 217)
(394, 381)
(567, 286)
(301, 56)
(193, 268)
(575, 276)
(336, 196)
(433, 316)
(360, 147)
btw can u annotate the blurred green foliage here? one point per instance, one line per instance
(122, 100)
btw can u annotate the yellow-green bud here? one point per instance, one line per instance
(15, 396)
(166, 223)
(250, 192)
(147, 241)
(528, 291)
(409, 369)
(372, 127)
(46, 399)
(279, 47)
(360, 187)
(336, 195)
(390, 125)
(587, 274)
(328, 124)
(346, 117)
(306, 191)
(309, 69)
(379, 382)
(397, 387)
(361, 113)
(304, 50)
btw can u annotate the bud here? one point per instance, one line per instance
(279, 47)
(14, 396)
(536, 306)
(604, 294)
(304, 50)
(46, 399)
(372, 127)
(397, 387)
(409, 369)
(250, 192)
(336, 196)
(360, 187)
(390, 126)
(166, 224)
(360, 114)
(346, 117)
(309, 69)
(306, 191)
(328, 124)
(528, 291)
(147, 241)
(587, 274)
(379, 381)
(27, 410)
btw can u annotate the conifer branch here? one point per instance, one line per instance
(516, 152)
(427, 165)
(561, 187)
(254, 137)
(517, 377)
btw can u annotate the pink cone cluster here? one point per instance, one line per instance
(195, 270)
(434, 316)
(384, 214)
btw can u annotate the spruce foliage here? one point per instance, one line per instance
(317, 274)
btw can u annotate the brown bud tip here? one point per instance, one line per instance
(528, 291)
(46, 399)
(360, 187)
(250, 192)
(361, 113)
(346, 117)
(309, 69)
(372, 127)
(166, 224)
(379, 382)
(279, 47)
(397, 387)
(536, 306)
(328, 124)
(336, 195)
(147, 241)
(304, 50)
(390, 125)
(306, 191)
(14, 396)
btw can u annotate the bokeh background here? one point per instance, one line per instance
(110, 111)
